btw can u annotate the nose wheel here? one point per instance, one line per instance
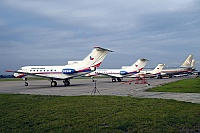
(26, 84)
(25, 81)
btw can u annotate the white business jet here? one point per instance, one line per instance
(118, 74)
(156, 72)
(66, 72)
(184, 68)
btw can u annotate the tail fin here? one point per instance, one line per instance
(193, 63)
(137, 66)
(95, 58)
(158, 69)
(188, 61)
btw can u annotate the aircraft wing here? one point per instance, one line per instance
(117, 75)
(112, 75)
(23, 74)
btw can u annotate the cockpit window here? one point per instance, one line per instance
(20, 69)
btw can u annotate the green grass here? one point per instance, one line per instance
(33, 113)
(191, 85)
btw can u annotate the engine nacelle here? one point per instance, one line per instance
(68, 71)
(92, 68)
(123, 72)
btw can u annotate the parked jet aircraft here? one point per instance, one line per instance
(188, 61)
(156, 72)
(120, 73)
(184, 68)
(66, 72)
(192, 66)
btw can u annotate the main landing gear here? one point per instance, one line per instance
(116, 79)
(66, 82)
(53, 83)
(159, 77)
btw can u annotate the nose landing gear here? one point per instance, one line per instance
(25, 81)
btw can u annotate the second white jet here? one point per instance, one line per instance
(118, 74)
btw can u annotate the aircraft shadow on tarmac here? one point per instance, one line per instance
(36, 86)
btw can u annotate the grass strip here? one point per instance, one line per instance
(191, 85)
(34, 113)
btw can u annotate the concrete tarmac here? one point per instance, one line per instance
(103, 85)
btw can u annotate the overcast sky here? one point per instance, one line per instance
(51, 32)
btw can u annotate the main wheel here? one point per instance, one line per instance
(66, 82)
(119, 79)
(53, 83)
(170, 76)
(113, 80)
(159, 77)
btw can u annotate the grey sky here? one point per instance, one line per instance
(49, 32)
